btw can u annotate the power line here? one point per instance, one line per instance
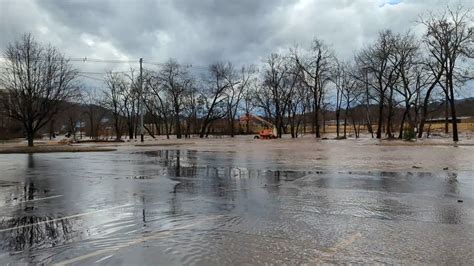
(153, 63)
(116, 61)
(95, 60)
(93, 78)
(102, 73)
(82, 59)
(184, 65)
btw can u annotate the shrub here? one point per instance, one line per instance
(409, 134)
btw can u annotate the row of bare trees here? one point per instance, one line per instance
(388, 88)
(403, 71)
(175, 102)
(396, 71)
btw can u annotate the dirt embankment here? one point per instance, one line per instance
(51, 148)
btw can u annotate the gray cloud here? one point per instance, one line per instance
(205, 31)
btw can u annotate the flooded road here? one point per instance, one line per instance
(178, 206)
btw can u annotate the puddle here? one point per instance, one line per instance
(193, 207)
(30, 231)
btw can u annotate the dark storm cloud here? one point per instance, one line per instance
(190, 30)
(201, 32)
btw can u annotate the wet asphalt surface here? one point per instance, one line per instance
(174, 207)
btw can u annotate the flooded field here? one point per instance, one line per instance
(241, 202)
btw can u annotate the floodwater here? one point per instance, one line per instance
(180, 206)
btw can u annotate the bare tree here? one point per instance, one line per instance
(347, 92)
(113, 100)
(73, 119)
(94, 113)
(450, 38)
(262, 99)
(156, 105)
(176, 85)
(434, 71)
(380, 62)
(352, 95)
(316, 66)
(213, 96)
(250, 99)
(238, 83)
(191, 106)
(130, 95)
(413, 78)
(38, 79)
(339, 78)
(277, 87)
(122, 98)
(298, 104)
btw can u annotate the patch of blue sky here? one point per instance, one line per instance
(390, 2)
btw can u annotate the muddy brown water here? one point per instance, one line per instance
(181, 206)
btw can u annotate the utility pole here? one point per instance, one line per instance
(369, 123)
(141, 101)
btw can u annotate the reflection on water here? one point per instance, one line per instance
(27, 229)
(348, 189)
(186, 167)
(265, 211)
(29, 191)
(31, 161)
(30, 231)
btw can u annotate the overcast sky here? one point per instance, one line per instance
(200, 32)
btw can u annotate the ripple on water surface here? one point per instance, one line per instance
(189, 207)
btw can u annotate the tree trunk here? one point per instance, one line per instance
(453, 110)
(405, 113)
(278, 117)
(346, 112)
(206, 121)
(446, 110)
(379, 127)
(323, 116)
(316, 113)
(203, 129)
(292, 125)
(91, 120)
(178, 128)
(167, 129)
(355, 128)
(149, 131)
(30, 137)
(135, 127)
(118, 133)
(316, 122)
(424, 113)
(446, 113)
(390, 115)
(231, 127)
(298, 124)
(130, 131)
(369, 121)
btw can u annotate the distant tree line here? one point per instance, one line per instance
(388, 88)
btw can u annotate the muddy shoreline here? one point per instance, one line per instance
(52, 149)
